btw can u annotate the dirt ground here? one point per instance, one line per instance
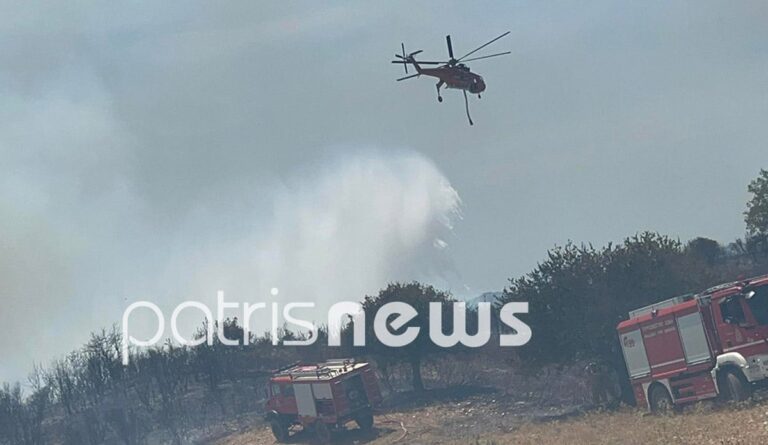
(701, 426)
(483, 419)
(433, 417)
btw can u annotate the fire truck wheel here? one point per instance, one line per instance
(364, 420)
(322, 432)
(661, 401)
(280, 430)
(737, 386)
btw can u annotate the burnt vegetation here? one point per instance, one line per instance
(178, 395)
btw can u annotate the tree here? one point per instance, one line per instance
(418, 296)
(161, 386)
(705, 249)
(580, 293)
(21, 418)
(756, 215)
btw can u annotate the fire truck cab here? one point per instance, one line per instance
(695, 347)
(322, 397)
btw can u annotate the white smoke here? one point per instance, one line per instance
(360, 222)
(357, 222)
(340, 233)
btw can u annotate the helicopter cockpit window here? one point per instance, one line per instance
(758, 304)
(732, 311)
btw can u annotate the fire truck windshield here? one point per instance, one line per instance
(758, 304)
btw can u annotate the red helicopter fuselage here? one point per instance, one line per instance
(458, 77)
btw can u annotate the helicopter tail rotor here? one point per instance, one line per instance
(406, 59)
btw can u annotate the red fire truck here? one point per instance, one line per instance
(322, 397)
(695, 347)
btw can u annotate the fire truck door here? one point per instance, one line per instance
(757, 302)
(283, 397)
(735, 324)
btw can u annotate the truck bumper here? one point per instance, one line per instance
(757, 368)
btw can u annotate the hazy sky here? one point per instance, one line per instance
(164, 150)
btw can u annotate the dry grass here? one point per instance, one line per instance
(745, 426)
(701, 425)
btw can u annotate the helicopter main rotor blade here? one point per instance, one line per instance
(450, 47)
(419, 62)
(486, 57)
(482, 46)
(405, 65)
(408, 77)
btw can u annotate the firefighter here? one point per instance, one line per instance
(601, 384)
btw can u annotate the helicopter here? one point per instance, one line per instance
(453, 73)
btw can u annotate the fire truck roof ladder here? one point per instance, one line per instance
(714, 289)
(660, 305)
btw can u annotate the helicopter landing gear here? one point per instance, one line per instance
(439, 97)
(479, 96)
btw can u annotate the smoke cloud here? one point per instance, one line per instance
(358, 223)
(338, 233)
(81, 240)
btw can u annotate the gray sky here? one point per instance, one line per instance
(165, 150)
